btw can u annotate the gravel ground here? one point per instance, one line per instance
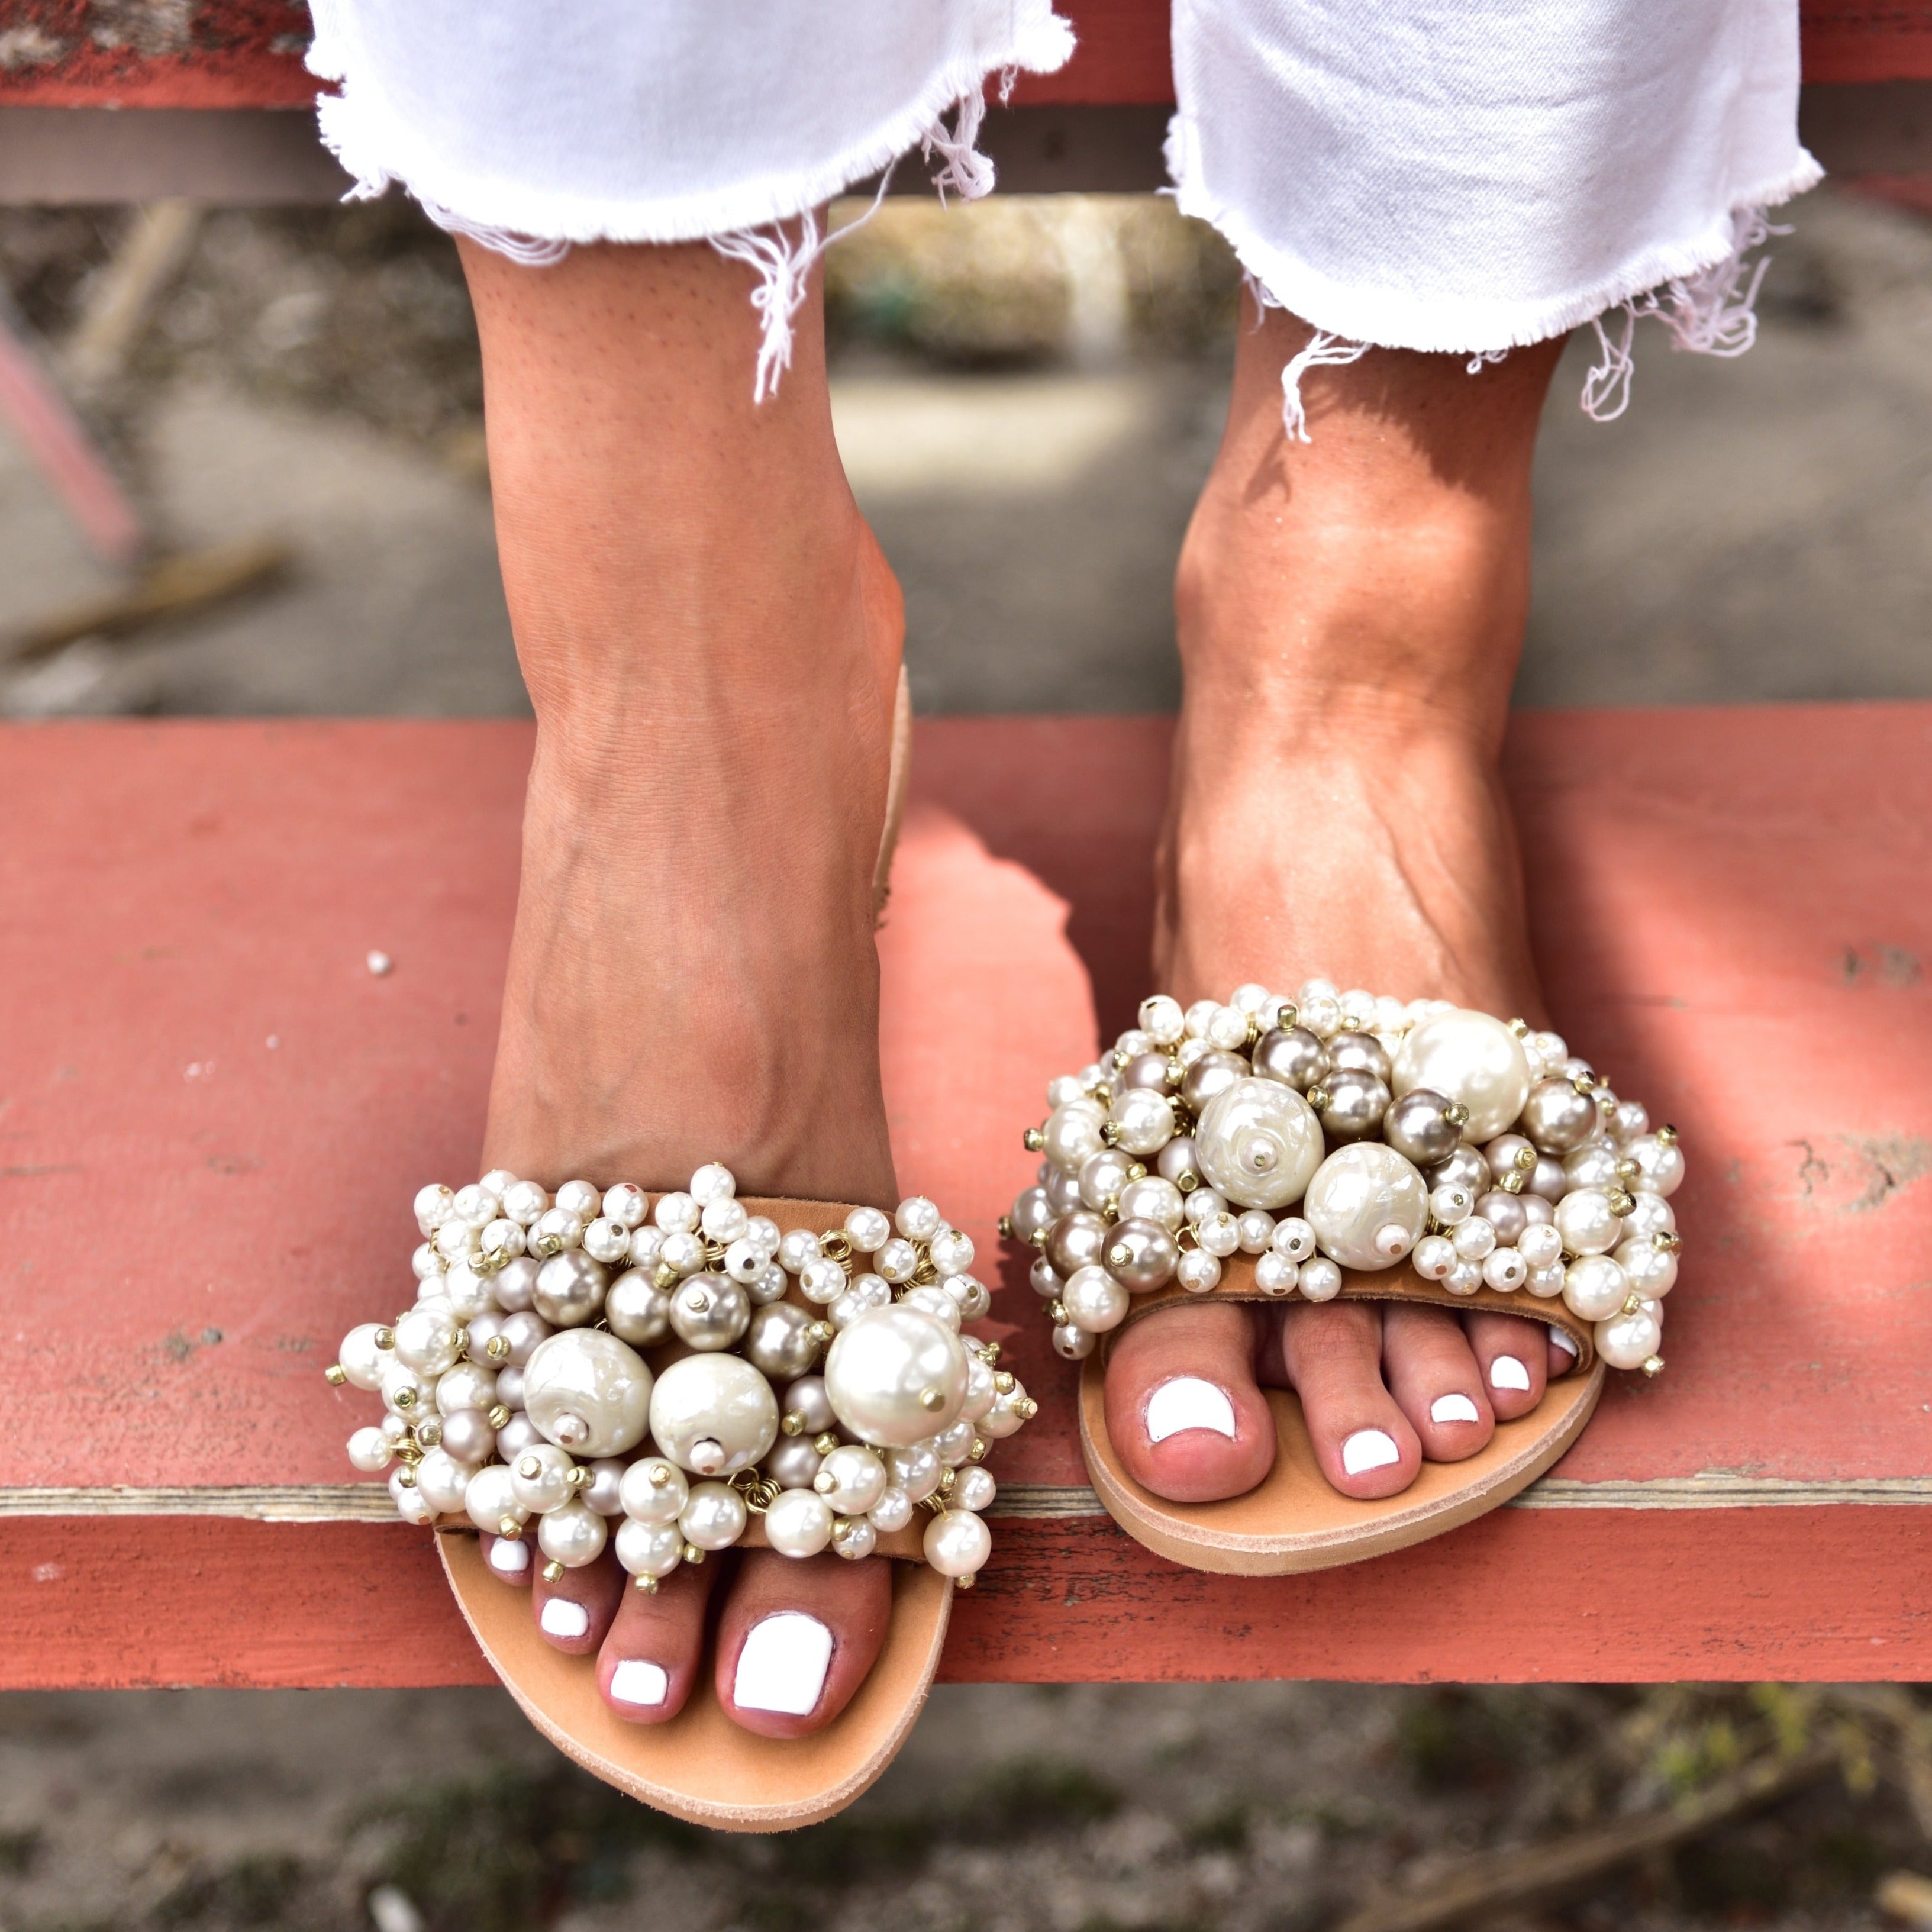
(1027, 442)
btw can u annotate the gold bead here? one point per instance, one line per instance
(665, 1276)
(497, 1348)
(1524, 1160)
(509, 1529)
(947, 1477)
(660, 1475)
(530, 1468)
(1456, 1113)
(1173, 1073)
(335, 1375)
(990, 1354)
(1110, 1133)
(1622, 1203)
(1514, 1182)
(980, 1448)
(406, 1476)
(1006, 1227)
(692, 1554)
(820, 1333)
(1056, 1313)
(1654, 1366)
(1026, 1408)
(405, 1398)
(793, 1424)
(429, 1432)
(1633, 1302)
(1520, 1028)
(499, 1414)
(1006, 1382)
(824, 1482)
(1187, 1180)
(1032, 1140)
(1585, 1084)
(965, 1582)
(827, 1443)
(580, 1477)
(1037, 1239)
(1318, 1097)
(649, 1585)
(553, 1573)
(1667, 1134)
(385, 1338)
(932, 1399)
(1669, 1242)
(1137, 1171)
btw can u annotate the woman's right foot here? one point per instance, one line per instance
(1350, 615)
(711, 639)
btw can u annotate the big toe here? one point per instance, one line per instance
(797, 1637)
(649, 1661)
(1331, 1356)
(1184, 1412)
(573, 1610)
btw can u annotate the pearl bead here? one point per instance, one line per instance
(1259, 1144)
(467, 1435)
(1650, 1215)
(1149, 1070)
(1505, 1270)
(1203, 1204)
(1546, 1281)
(1547, 1181)
(792, 1461)
(1652, 1270)
(411, 1504)
(917, 1219)
(711, 1311)
(428, 1339)
(605, 1492)
(869, 1290)
(1070, 1344)
(1209, 1075)
(1471, 1059)
(769, 1286)
(868, 1229)
(1353, 1052)
(573, 1535)
(1473, 1239)
(1151, 1198)
(1321, 1015)
(1292, 1055)
(1464, 1278)
(362, 1362)
(1628, 1122)
(1031, 1214)
(724, 1221)
(1043, 1281)
(1321, 1279)
(432, 1206)
(570, 1288)
(916, 1469)
(677, 1214)
(580, 1198)
(653, 1490)
(1629, 1341)
(798, 1523)
(1588, 1223)
(626, 1205)
(1276, 1274)
(1557, 1117)
(891, 1513)
(1075, 1240)
(763, 1232)
(935, 1301)
(1503, 1212)
(589, 1392)
(516, 1435)
(1180, 1163)
(637, 1310)
(404, 1392)
(468, 1293)
(714, 1517)
(554, 1232)
(1219, 1234)
(1198, 1272)
(1417, 1126)
(1451, 1205)
(981, 1389)
(713, 1414)
(607, 1240)
(1143, 1121)
(490, 1497)
(780, 1341)
(1434, 1256)
(952, 1251)
(974, 1488)
(1466, 1168)
(1358, 1007)
(425, 1262)
(712, 1183)
(1354, 1105)
(852, 1479)
(895, 1376)
(524, 1201)
(1539, 1244)
(1596, 1164)
(1072, 1135)
(1367, 1205)
(1595, 1287)
(974, 1298)
(647, 1249)
(824, 1281)
(1094, 1300)
(1162, 1019)
(1660, 1164)
(540, 1478)
(1255, 1231)
(369, 1451)
(957, 1544)
(807, 1400)
(853, 1538)
(1294, 1237)
(798, 1249)
(650, 1548)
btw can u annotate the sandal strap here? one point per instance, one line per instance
(1400, 1283)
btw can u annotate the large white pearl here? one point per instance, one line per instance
(1470, 1058)
(852, 1479)
(653, 1490)
(895, 1376)
(713, 1414)
(714, 1517)
(1629, 1341)
(491, 1501)
(1367, 1205)
(1652, 1269)
(588, 1391)
(362, 1362)
(1660, 1164)
(798, 1523)
(540, 1478)
(573, 1535)
(650, 1548)
(1586, 1221)
(1595, 1288)
(1259, 1143)
(427, 1338)
(958, 1544)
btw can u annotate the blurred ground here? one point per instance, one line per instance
(1028, 395)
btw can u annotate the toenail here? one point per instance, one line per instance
(1368, 1449)
(1507, 1373)
(783, 1664)
(562, 1618)
(1453, 1408)
(1188, 1403)
(1564, 1340)
(509, 1558)
(636, 1681)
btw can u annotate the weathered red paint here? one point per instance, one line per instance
(1730, 914)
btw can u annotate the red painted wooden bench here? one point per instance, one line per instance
(212, 1118)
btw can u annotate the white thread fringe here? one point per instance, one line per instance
(1712, 313)
(967, 172)
(1323, 349)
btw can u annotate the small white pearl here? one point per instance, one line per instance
(713, 1516)
(425, 1264)
(798, 1523)
(1474, 1239)
(1434, 1256)
(763, 1231)
(580, 1198)
(1065, 1088)
(677, 1213)
(1275, 1273)
(891, 1512)
(475, 1206)
(917, 1219)
(1072, 1135)
(724, 1220)
(1660, 1164)
(1540, 1243)
(540, 1478)
(853, 1479)
(1153, 1198)
(442, 1481)
(712, 1182)
(1464, 1278)
(1546, 1281)
(824, 1281)
(853, 1538)
(933, 1300)
(1358, 1009)
(362, 1362)
(1321, 1015)
(626, 1205)
(681, 1249)
(554, 1232)
(797, 1250)
(1228, 1028)
(1070, 1344)
(1220, 1234)
(1505, 1270)
(1198, 1271)
(958, 1544)
(1204, 1203)
(1629, 1341)
(972, 1297)
(455, 1239)
(1094, 1300)
(605, 1493)
(653, 1490)
(1255, 1230)
(432, 1206)
(1595, 1287)
(869, 1229)
(974, 1488)
(897, 1260)
(1294, 1238)
(524, 1201)
(1451, 1205)
(646, 1247)
(411, 1504)
(952, 1251)
(491, 1497)
(1195, 1022)
(1321, 1279)
(650, 1548)
(369, 1451)
(1652, 1270)
(607, 1240)
(1248, 998)
(1162, 1019)
(1586, 1222)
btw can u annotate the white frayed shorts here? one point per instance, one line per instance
(1466, 175)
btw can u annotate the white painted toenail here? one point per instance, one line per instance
(562, 1618)
(511, 1559)
(1507, 1373)
(1453, 1408)
(783, 1664)
(635, 1681)
(1188, 1403)
(1564, 1340)
(1368, 1449)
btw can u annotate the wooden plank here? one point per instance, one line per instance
(1727, 914)
(248, 53)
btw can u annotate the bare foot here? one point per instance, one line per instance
(1350, 612)
(711, 639)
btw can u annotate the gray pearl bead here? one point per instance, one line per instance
(1357, 1102)
(1063, 1191)
(1417, 1126)
(1074, 1241)
(1292, 1055)
(1548, 1179)
(1505, 1212)
(516, 1435)
(637, 1310)
(1465, 1167)
(1209, 1075)
(1141, 1255)
(1178, 1162)
(1146, 1070)
(1535, 1207)
(779, 1341)
(570, 1288)
(709, 1311)
(513, 1284)
(806, 1399)
(1557, 1117)
(1033, 1214)
(468, 1436)
(1359, 1053)
(510, 1389)
(1510, 1154)
(791, 1462)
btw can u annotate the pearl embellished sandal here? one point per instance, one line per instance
(1433, 1156)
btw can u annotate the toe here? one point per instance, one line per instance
(1513, 1355)
(649, 1661)
(1331, 1356)
(1562, 1352)
(574, 1612)
(797, 1636)
(1427, 1365)
(509, 1559)
(1183, 1413)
